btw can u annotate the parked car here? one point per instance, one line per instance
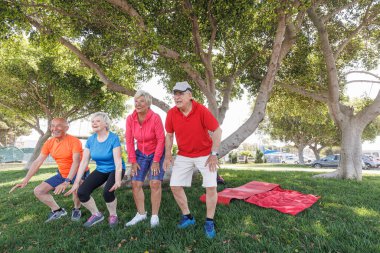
(290, 159)
(376, 160)
(369, 162)
(293, 159)
(327, 161)
(333, 161)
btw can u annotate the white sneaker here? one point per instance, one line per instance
(136, 219)
(154, 221)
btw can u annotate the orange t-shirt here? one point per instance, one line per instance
(62, 152)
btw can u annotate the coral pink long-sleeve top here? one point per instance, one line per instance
(149, 135)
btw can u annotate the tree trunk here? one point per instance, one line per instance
(300, 149)
(351, 152)
(316, 152)
(37, 149)
(350, 165)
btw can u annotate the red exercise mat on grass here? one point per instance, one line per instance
(242, 192)
(285, 201)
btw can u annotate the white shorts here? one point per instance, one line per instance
(183, 168)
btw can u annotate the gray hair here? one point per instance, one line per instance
(104, 116)
(146, 95)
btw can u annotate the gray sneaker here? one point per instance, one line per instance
(56, 215)
(76, 214)
(94, 219)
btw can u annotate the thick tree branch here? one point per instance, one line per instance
(362, 72)
(95, 67)
(318, 97)
(40, 100)
(126, 7)
(229, 80)
(362, 81)
(205, 58)
(167, 52)
(247, 128)
(332, 72)
(34, 126)
(226, 99)
(71, 112)
(213, 25)
(92, 65)
(291, 32)
(193, 73)
(370, 112)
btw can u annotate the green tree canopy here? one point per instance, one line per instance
(36, 85)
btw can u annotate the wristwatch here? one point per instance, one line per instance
(215, 153)
(67, 180)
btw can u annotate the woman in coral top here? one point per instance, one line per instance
(146, 127)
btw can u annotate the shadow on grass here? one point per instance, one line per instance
(345, 219)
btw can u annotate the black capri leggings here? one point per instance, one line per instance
(93, 181)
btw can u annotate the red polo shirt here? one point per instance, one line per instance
(191, 131)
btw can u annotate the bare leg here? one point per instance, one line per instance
(42, 193)
(180, 198)
(112, 207)
(155, 195)
(138, 195)
(76, 200)
(91, 206)
(211, 200)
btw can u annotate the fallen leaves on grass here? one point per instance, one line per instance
(120, 244)
(253, 236)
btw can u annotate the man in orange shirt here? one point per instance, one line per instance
(66, 151)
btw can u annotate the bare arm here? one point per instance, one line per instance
(82, 167)
(73, 170)
(31, 172)
(119, 167)
(74, 166)
(168, 151)
(216, 139)
(212, 160)
(35, 167)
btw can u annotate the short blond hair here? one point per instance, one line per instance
(104, 116)
(146, 95)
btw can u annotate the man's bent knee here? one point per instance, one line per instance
(40, 190)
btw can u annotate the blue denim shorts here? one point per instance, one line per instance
(57, 179)
(145, 162)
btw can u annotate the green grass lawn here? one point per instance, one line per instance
(345, 219)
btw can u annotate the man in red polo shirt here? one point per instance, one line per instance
(192, 123)
(66, 151)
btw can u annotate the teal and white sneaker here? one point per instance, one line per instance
(76, 214)
(94, 219)
(56, 215)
